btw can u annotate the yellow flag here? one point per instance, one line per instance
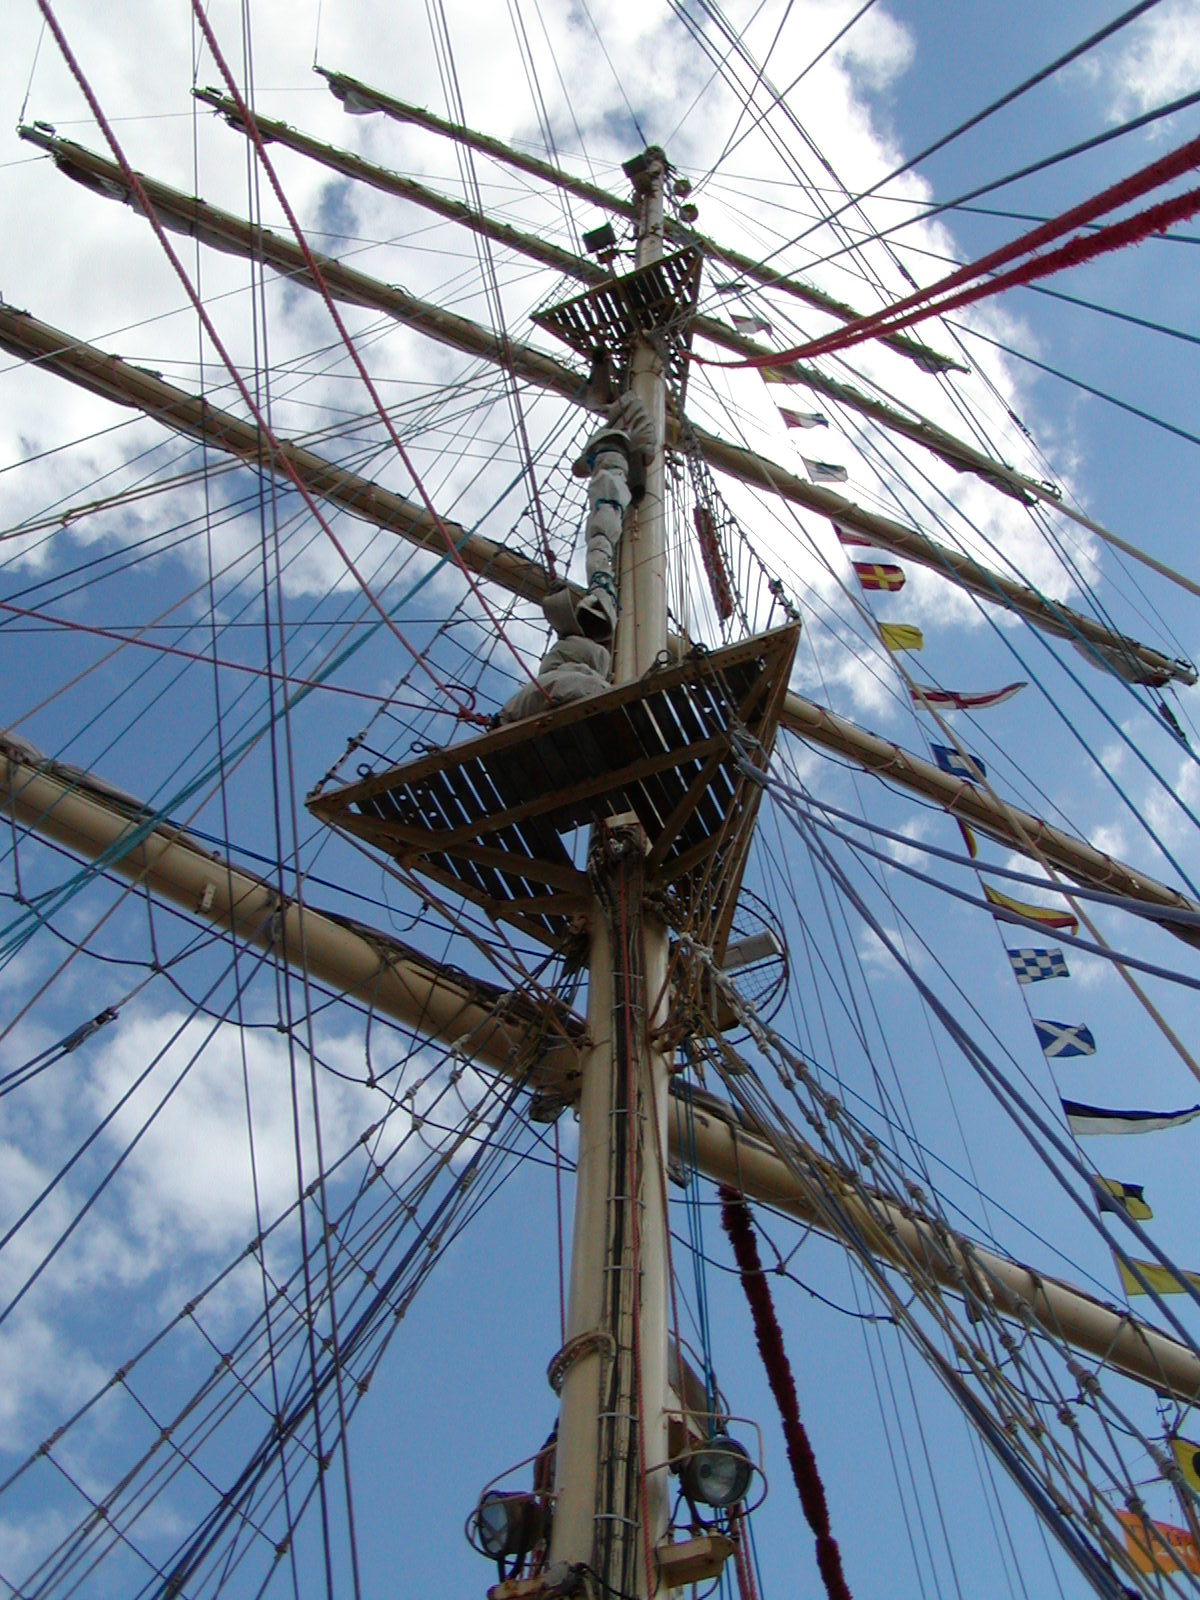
(901, 636)
(1188, 1457)
(1161, 1279)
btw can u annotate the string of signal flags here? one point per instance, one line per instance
(1153, 1546)
(1060, 1041)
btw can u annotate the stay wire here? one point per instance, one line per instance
(148, 211)
(270, 568)
(1030, 1122)
(1094, 39)
(733, 143)
(759, 75)
(1146, 119)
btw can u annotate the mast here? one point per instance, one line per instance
(105, 374)
(612, 1500)
(220, 230)
(78, 163)
(360, 99)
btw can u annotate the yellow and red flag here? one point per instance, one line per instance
(1048, 918)
(879, 575)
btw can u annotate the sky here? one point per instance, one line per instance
(200, 1102)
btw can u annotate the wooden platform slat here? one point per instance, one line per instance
(487, 817)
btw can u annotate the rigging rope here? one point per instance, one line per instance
(735, 1214)
(1005, 99)
(941, 296)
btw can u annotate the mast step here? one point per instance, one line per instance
(491, 818)
(694, 1560)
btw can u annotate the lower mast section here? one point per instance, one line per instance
(612, 1504)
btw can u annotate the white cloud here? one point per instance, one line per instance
(1157, 61)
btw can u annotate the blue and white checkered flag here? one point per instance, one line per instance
(1031, 966)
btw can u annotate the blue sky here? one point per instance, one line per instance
(462, 1391)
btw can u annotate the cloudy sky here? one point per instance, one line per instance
(212, 1084)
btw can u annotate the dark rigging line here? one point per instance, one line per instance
(1006, 99)
(783, 94)
(1042, 165)
(759, 74)
(1065, 377)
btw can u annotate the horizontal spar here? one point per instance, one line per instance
(225, 232)
(197, 418)
(96, 822)
(956, 452)
(1020, 830)
(359, 97)
(726, 1153)
(100, 824)
(129, 385)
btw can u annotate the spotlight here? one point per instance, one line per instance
(601, 238)
(689, 213)
(508, 1524)
(716, 1473)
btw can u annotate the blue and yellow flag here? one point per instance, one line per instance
(1113, 1195)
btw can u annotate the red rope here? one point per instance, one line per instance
(917, 306)
(314, 270)
(272, 453)
(1083, 247)
(735, 1214)
(738, 1525)
(206, 659)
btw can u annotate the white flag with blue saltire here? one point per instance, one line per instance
(825, 471)
(1065, 1038)
(749, 325)
(1035, 966)
(802, 419)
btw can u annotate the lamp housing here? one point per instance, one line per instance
(716, 1473)
(508, 1524)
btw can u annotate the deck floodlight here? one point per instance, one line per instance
(716, 1473)
(508, 1524)
(601, 238)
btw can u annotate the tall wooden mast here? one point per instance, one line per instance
(611, 1484)
(612, 1502)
